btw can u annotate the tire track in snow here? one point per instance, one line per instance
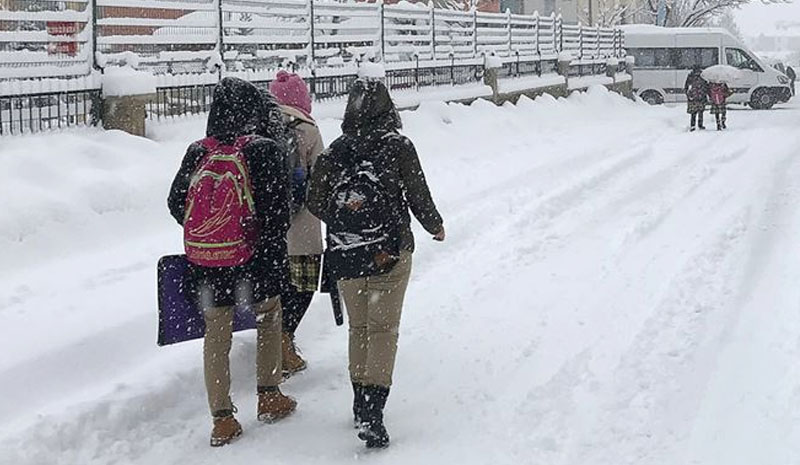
(657, 389)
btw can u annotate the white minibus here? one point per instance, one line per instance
(665, 56)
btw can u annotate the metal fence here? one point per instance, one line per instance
(57, 49)
(21, 114)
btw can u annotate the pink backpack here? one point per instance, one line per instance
(220, 227)
(717, 92)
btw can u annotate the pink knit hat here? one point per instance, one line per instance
(290, 90)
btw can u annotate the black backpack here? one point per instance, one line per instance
(362, 235)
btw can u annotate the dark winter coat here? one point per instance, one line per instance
(238, 110)
(696, 89)
(370, 127)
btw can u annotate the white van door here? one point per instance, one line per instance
(749, 71)
(653, 72)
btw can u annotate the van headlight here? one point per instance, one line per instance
(783, 79)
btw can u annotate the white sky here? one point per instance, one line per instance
(757, 18)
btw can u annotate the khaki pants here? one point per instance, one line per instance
(374, 305)
(217, 347)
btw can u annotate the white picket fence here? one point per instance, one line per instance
(254, 37)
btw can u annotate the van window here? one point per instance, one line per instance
(651, 58)
(739, 59)
(688, 58)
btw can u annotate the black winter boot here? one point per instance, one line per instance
(373, 431)
(359, 405)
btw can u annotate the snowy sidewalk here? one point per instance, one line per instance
(613, 290)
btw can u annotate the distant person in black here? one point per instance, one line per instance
(696, 89)
(792, 76)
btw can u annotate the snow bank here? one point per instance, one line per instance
(510, 85)
(124, 80)
(74, 190)
(721, 73)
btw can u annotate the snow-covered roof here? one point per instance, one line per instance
(651, 29)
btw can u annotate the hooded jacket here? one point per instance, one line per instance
(237, 110)
(370, 129)
(696, 84)
(305, 234)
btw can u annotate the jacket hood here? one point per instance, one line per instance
(370, 109)
(235, 109)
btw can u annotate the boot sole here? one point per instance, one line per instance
(270, 418)
(372, 441)
(224, 442)
(288, 373)
(377, 445)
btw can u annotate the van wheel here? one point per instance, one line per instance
(762, 99)
(652, 97)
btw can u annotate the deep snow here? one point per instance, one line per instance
(613, 290)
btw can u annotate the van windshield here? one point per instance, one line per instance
(739, 59)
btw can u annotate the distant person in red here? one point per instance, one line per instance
(718, 93)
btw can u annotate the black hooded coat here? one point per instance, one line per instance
(239, 109)
(370, 127)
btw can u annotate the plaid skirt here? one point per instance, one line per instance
(720, 109)
(695, 106)
(304, 271)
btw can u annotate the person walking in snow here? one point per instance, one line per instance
(305, 234)
(237, 250)
(362, 188)
(696, 89)
(718, 93)
(792, 75)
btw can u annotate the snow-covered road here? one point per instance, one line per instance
(613, 291)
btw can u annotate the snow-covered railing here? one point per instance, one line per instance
(68, 38)
(45, 39)
(257, 34)
(165, 36)
(346, 32)
(455, 34)
(408, 33)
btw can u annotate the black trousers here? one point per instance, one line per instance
(295, 304)
(698, 117)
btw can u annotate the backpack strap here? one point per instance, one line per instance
(210, 143)
(242, 141)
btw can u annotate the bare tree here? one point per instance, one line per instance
(727, 21)
(691, 13)
(609, 12)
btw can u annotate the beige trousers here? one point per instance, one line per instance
(217, 347)
(374, 305)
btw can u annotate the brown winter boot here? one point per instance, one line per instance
(273, 405)
(226, 430)
(292, 362)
